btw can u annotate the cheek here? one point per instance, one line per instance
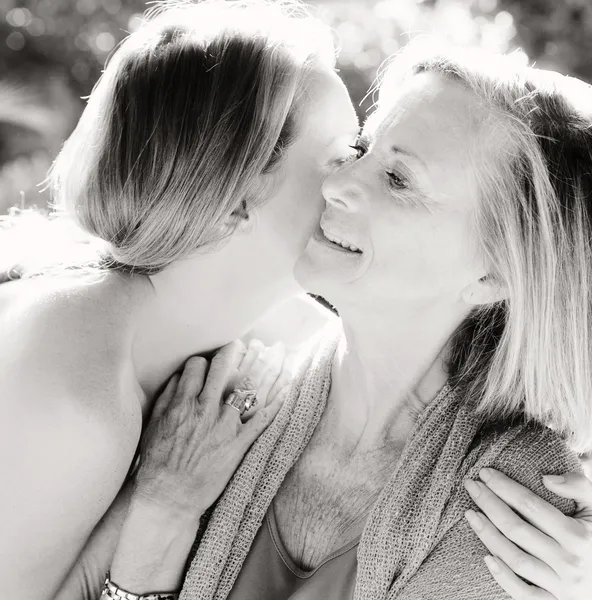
(422, 253)
(298, 206)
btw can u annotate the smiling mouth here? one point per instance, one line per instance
(341, 244)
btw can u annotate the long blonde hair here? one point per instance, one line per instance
(187, 126)
(531, 353)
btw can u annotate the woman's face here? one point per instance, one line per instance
(397, 222)
(281, 227)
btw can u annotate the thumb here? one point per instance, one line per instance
(575, 486)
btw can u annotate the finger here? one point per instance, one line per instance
(516, 529)
(274, 361)
(192, 378)
(523, 564)
(513, 585)
(254, 348)
(259, 422)
(575, 486)
(231, 415)
(252, 373)
(533, 508)
(223, 366)
(164, 400)
(284, 379)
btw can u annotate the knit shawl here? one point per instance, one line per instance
(422, 503)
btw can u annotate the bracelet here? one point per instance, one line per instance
(114, 592)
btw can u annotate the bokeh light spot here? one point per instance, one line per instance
(487, 6)
(504, 19)
(36, 27)
(112, 6)
(86, 7)
(19, 17)
(15, 40)
(105, 41)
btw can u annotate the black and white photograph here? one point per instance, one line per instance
(296, 299)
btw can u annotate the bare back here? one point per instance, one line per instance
(71, 420)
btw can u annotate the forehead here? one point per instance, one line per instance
(440, 121)
(327, 107)
(437, 107)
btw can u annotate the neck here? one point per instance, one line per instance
(195, 306)
(389, 366)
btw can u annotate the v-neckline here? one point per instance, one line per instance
(287, 559)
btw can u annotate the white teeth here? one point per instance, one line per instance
(350, 247)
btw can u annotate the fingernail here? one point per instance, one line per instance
(485, 474)
(492, 564)
(474, 520)
(554, 478)
(472, 487)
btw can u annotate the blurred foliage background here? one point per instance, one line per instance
(52, 52)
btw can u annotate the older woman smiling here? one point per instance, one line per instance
(456, 247)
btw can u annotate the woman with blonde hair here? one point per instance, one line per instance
(457, 249)
(186, 177)
(196, 171)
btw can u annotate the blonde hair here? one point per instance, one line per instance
(190, 113)
(530, 354)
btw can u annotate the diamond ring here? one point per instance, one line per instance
(242, 400)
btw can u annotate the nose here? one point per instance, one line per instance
(344, 189)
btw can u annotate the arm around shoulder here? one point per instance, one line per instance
(455, 567)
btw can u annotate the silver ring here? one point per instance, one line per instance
(242, 400)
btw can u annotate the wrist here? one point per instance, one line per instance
(163, 516)
(153, 547)
(112, 591)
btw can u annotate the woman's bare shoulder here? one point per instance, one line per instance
(71, 423)
(65, 334)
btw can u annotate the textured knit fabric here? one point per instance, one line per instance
(416, 544)
(269, 573)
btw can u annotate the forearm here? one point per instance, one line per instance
(153, 548)
(86, 577)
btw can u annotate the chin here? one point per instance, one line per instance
(322, 279)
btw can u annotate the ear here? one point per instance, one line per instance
(484, 291)
(239, 218)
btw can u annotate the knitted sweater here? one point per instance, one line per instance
(416, 544)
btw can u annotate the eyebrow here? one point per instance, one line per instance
(395, 150)
(399, 150)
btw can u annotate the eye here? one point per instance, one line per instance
(396, 181)
(360, 150)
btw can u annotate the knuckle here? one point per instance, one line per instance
(584, 537)
(520, 563)
(529, 504)
(178, 415)
(246, 383)
(574, 561)
(513, 526)
(240, 345)
(195, 363)
(223, 356)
